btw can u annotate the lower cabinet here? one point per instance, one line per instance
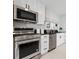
(60, 38)
(44, 44)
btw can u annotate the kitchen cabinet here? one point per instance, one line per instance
(44, 44)
(41, 12)
(37, 6)
(60, 38)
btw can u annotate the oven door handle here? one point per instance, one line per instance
(27, 41)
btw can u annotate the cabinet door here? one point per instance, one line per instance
(44, 44)
(41, 12)
(60, 39)
(32, 4)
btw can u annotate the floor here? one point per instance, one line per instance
(58, 53)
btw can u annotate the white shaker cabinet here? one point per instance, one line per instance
(44, 44)
(60, 38)
(41, 13)
(39, 7)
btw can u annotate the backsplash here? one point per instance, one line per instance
(20, 24)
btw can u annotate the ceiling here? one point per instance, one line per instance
(57, 6)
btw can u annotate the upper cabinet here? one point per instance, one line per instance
(41, 12)
(36, 6)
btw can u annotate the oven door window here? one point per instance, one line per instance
(28, 48)
(26, 15)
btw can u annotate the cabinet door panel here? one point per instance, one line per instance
(60, 39)
(44, 44)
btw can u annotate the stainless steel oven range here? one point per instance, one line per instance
(26, 46)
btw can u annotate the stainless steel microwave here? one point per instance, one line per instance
(19, 13)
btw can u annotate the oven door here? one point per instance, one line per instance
(27, 49)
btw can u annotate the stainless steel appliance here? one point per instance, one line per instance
(26, 46)
(24, 30)
(52, 38)
(52, 41)
(27, 43)
(19, 13)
